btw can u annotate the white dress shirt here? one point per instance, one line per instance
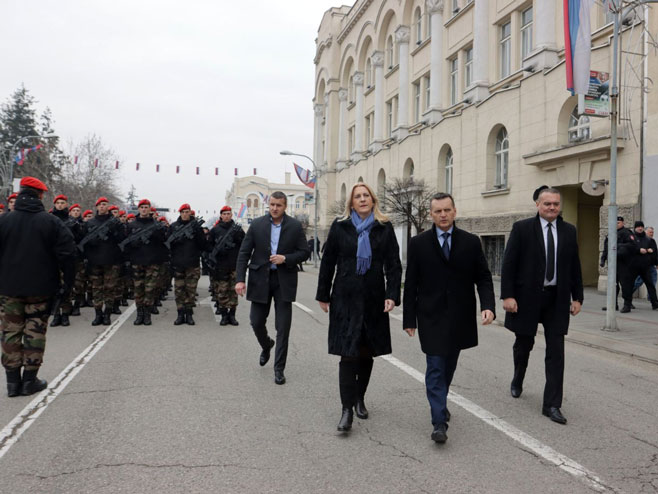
(544, 229)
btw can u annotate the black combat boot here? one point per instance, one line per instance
(106, 317)
(89, 301)
(158, 302)
(76, 309)
(147, 316)
(188, 317)
(218, 309)
(13, 382)
(31, 384)
(139, 320)
(57, 320)
(65, 320)
(115, 308)
(181, 317)
(224, 312)
(98, 320)
(152, 310)
(231, 317)
(124, 302)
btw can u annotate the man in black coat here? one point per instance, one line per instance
(626, 249)
(541, 282)
(275, 243)
(35, 247)
(444, 264)
(640, 265)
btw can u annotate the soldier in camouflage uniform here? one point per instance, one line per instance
(35, 247)
(144, 258)
(186, 243)
(224, 243)
(78, 294)
(103, 258)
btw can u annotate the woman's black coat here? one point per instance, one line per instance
(357, 301)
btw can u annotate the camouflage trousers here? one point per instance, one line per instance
(165, 276)
(185, 283)
(80, 280)
(224, 286)
(104, 280)
(24, 332)
(146, 284)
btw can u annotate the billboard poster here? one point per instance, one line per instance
(597, 99)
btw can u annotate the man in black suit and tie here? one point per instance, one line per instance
(273, 247)
(444, 264)
(542, 283)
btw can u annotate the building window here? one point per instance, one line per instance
(526, 32)
(369, 127)
(256, 202)
(454, 72)
(448, 167)
(494, 250)
(427, 91)
(609, 14)
(505, 49)
(368, 73)
(390, 52)
(418, 26)
(468, 68)
(455, 6)
(502, 159)
(389, 117)
(248, 203)
(417, 101)
(428, 25)
(579, 127)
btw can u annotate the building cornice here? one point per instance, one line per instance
(323, 44)
(353, 17)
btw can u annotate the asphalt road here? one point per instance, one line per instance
(188, 409)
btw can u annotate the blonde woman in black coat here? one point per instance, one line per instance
(362, 252)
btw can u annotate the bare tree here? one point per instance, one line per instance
(337, 209)
(304, 219)
(407, 202)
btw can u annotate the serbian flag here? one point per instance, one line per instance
(304, 176)
(578, 44)
(22, 154)
(243, 208)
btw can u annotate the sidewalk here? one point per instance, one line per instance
(638, 330)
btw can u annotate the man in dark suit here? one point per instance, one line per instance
(273, 247)
(443, 266)
(542, 283)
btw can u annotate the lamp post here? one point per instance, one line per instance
(12, 151)
(315, 205)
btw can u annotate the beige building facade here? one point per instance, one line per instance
(470, 96)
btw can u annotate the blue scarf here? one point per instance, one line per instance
(363, 250)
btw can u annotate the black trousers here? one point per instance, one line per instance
(554, 359)
(628, 283)
(282, 320)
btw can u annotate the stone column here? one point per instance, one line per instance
(377, 60)
(359, 148)
(435, 9)
(479, 89)
(343, 152)
(318, 110)
(402, 34)
(327, 130)
(544, 55)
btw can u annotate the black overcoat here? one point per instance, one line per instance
(439, 293)
(524, 269)
(357, 301)
(255, 253)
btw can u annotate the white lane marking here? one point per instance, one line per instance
(15, 429)
(303, 307)
(541, 449)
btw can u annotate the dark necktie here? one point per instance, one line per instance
(550, 253)
(446, 247)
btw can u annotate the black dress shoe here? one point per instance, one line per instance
(33, 386)
(439, 434)
(56, 321)
(554, 414)
(515, 390)
(65, 320)
(632, 307)
(625, 309)
(346, 419)
(265, 354)
(361, 410)
(279, 378)
(448, 415)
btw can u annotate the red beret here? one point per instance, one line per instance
(184, 206)
(225, 208)
(101, 199)
(35, 183)
(122, 213)
(61, 197)
(12, 196)
(76, 205)
(130, 216)
(193, 212)
(153, 210)
(2, 206)
(113, 208)
(162, 218)
(87, 213)
(143, 201)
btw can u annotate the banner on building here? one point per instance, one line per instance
(597, 99)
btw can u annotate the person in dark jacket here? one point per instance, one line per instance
(640, 266)
(35, 247)
(144, 240)
(626, 249)
(103, 258)
(78, 293)
(185, 253)
(223, 255)
(652, 264)
(362, 251)
(444, 266)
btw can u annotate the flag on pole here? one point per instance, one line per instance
(177, 169)
(197, 170)
(116, 165)
(305, 176)
(157, 168)
(254, 171)
(236, 172)
(243, 208)
(578, 44)
(22, 154)
(216, 171)
(137, 167)
(75, 160)
(96, 163)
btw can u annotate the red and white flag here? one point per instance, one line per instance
(96, 163)
(177, 169)
(157, 168)
(116, 165)
(254, 171)
(197, 170)
(236, 172)
(75, 160)
(216, 171)
(137, 167)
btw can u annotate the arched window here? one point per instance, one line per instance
(502, 159)
(448, 167)
(343, 193)
(360, 180)
(579, 127)
(248, 203)
(390, 53)
(408, 169)
(368, 73)
(418, 26)
(381, 186)
(255, 203)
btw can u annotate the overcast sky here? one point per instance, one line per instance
(186, 82)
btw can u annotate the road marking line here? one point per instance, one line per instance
(15, 429)
(303, 307)
(529, 442)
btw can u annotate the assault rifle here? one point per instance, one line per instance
(186, 232)
(143, 235)
(99, 233)
(224, 244)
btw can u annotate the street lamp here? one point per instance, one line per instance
(315, 200)
(12, 152)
